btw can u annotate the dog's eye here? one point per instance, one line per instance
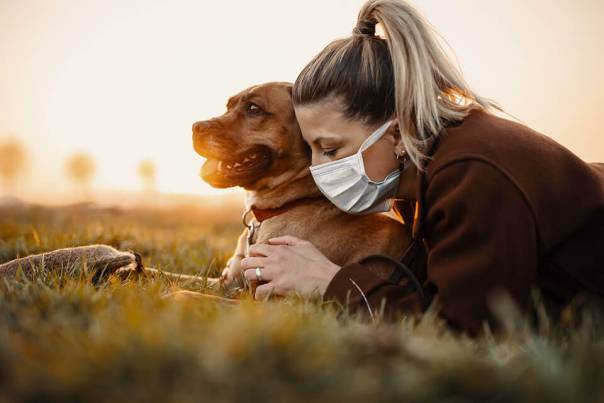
(252, 108)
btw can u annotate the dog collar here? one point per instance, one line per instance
(265, 214)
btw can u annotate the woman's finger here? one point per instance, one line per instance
(253, 261)
(261, 249)
(264, 291)
(286, 240)
(265, 274)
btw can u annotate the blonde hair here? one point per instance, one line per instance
(407, 75)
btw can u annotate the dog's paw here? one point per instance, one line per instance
(230, 280)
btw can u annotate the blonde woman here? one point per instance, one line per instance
(491, 204)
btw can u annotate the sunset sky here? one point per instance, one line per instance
(124, 80)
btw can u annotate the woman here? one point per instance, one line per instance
(495, 205)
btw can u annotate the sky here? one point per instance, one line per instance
(125, 80)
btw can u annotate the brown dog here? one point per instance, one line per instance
(257, 145)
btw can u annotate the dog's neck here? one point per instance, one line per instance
(292, 187)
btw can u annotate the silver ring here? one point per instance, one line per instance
(258, 274)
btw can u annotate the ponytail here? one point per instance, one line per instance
(408, 74)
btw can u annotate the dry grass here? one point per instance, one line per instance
(61, 339)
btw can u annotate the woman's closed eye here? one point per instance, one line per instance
(329, 152)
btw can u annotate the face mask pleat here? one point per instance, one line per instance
(333, 165)
(365, 200)
(350, 185)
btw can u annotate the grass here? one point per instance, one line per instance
(62, 339)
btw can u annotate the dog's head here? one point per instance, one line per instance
(256, 142)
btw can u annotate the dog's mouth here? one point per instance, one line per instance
(237, 170)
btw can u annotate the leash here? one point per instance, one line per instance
(402, 268)
(252, 226)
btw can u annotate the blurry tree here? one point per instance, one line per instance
(81, 169)
(147, 172)
(13, 163)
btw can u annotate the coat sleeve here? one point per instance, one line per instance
(482, 238)
(361, 291)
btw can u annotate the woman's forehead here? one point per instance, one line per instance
(326, 110)
(321, 122)
(326, 119)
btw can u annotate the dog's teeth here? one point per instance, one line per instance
(237, 164)
(220, 165)
(246, 159)
(229, 167)
(253, 156)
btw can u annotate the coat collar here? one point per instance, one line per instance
(421, 184)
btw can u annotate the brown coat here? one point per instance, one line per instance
(501, 206)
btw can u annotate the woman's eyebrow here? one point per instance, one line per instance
(321, 138)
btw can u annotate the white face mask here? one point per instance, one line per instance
(345, 183)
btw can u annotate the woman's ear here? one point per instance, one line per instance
(394, 135)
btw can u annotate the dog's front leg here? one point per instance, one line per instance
(232, 275)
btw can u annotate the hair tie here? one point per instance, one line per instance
(365, 28)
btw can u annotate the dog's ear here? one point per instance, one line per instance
(307, 150)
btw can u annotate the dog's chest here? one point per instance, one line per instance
(261, 232)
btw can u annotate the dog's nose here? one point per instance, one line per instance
(199, 130)
(198, 127)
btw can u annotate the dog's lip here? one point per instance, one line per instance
(216, 165)
(238, 166)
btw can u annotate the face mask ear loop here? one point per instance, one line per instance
(375, 136)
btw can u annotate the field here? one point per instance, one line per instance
(62, 339)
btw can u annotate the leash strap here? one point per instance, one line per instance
(403, 270)
(252, 227)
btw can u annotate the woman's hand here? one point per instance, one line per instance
(291, 266)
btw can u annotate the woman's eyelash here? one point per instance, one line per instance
(330, 153)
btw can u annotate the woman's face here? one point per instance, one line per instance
(332, 136)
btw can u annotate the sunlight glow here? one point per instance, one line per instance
(123, 81)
